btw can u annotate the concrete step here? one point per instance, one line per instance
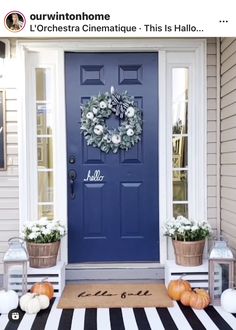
(123, 271)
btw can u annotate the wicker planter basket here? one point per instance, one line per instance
(43, 255)
(188, 253)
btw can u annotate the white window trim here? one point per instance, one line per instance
(167, 49)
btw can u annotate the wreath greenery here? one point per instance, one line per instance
(98, 109)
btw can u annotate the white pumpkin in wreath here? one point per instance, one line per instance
(130, 132)
(130, 112)
(116, 139)
(98, 129)
(90, 115)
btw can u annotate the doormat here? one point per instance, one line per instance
(114, 295)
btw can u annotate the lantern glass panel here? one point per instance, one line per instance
(222, 279)
(15, 266)
(221, 275)
(15, 276)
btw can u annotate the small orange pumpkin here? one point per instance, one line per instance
(43, 287)
(199, 299)
(177, 287)
(185, 297)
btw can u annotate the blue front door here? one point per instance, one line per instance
(115, 219)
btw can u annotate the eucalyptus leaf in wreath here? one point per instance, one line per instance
(98, 109)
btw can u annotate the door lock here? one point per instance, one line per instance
(72, 178)
(72, 159)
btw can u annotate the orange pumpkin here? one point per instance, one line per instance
(199, 299)
(185, 297)
(177, 287)
(43, 287)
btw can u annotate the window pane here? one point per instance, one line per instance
(180, 209)
(180, 100)
(180, 185)
(44, 111)
(43, 82)
(45, 211)
(45, 153)
(180, 151)
(44, 119)
(45, 186)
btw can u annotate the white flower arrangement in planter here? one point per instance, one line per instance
(43, 241)
(183, 229)
(188, 239)
(43, 231)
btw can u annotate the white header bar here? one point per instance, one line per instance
(106, 18)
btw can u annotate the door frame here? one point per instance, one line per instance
(172, 52)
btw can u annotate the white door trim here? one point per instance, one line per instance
(51, 52)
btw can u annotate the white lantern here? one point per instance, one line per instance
(221, 270)
(15, 265)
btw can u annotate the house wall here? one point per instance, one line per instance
(9, 201)
(228, 140)
(211, 132)
(9, 210)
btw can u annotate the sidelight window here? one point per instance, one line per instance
(45, 175)
(180, 131)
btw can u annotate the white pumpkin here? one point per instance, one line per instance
(90, 115)
(32, 303)
(33, 307)
(228, 300)
(24, 300)
(98, 129)
(130, 112)
(103, 105)
(8, 301)
(43, 300)
(130, 132)
(116, 139)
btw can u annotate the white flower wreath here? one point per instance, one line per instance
(101, 107)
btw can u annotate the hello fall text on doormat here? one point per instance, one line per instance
(114, 295)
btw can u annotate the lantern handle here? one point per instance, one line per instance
(16, 238)
(220, 238)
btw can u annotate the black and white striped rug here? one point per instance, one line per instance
(177, 317)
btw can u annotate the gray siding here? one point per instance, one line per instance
(211, 131)
(9, 203)
(228, 140)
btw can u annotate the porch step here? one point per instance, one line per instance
(55, 275)
(197, 275)
(124, 271)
